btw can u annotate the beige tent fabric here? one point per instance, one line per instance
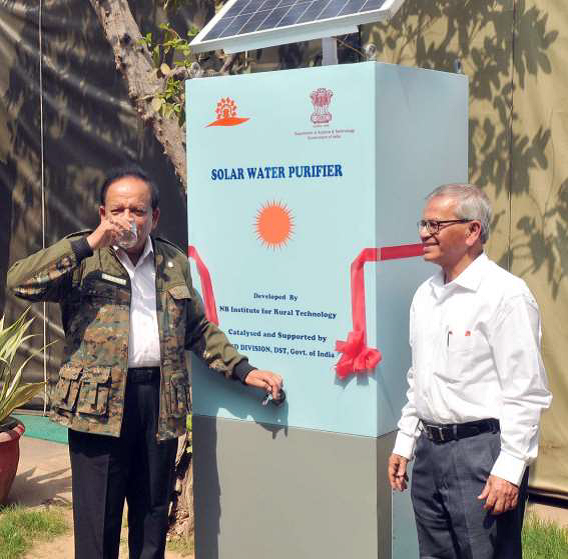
(538, 243)
(514, 53)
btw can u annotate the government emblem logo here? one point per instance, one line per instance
(226, 114)
(321, 98)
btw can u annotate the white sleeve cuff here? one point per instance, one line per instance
(404, 445)
(509, 468)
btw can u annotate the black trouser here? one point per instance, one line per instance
(451, 521)
(106, 470)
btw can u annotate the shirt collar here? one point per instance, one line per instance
(469, 279)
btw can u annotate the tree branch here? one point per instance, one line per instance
(134, 62)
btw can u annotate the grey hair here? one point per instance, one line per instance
(471, 203)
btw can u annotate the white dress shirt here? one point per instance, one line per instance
(475, 354)
(144, 337)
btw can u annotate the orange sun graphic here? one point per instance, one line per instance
(274, 225)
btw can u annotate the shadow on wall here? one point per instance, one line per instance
(496, 60)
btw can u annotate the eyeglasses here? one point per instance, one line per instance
(433, 225)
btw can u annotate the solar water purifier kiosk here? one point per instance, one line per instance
(304, 191)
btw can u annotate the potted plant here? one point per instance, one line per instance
(13, 394)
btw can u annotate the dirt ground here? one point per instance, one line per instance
(62, 546)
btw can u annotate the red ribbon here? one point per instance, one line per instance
(206, 286)
(356, 356)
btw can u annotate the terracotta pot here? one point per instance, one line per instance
(10, 432)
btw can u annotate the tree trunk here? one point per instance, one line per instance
(133, 60)
(181, 515)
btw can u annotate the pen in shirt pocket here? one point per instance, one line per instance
(448, 338)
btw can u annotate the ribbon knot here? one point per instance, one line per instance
(357, 356)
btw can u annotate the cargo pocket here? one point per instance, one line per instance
(179, 395)
(94, 392)
(67, 387)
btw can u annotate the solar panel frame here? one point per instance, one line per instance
(341, 24)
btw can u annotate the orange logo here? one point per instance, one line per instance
(226, 112)
(274, 225)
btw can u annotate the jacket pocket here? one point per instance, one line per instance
(94, 391)
(176, 307)
(179, 395)
(179, 292)
(67, 387)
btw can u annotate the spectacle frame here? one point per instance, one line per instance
(433, 225)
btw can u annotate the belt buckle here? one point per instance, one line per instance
(435, 433)
(440, 430)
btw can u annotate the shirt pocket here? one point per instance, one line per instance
(464, 352)
(461, 343)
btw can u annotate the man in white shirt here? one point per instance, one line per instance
(477, 386)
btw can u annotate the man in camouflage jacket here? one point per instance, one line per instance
(83, 273)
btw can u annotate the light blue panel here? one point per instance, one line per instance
(333, 219)
(421, 144)
(397, 133)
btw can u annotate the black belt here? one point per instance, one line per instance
(452, 432)
(143, 375)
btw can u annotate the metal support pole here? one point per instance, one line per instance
(329, 51)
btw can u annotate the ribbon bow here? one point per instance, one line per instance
(357, 357)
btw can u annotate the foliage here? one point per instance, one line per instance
(20, 527)
(175, 49)
(544, 540)
(13, 393)
(173, 59)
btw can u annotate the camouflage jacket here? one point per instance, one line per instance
(93, 291)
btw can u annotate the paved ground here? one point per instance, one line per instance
(44, 476)
(550, 510)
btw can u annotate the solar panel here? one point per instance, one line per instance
(253, 24)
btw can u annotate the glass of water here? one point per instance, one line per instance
(129, 237)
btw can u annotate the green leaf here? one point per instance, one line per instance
(22, 395)
(13, 392)
(156, 104)
(156, 55)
